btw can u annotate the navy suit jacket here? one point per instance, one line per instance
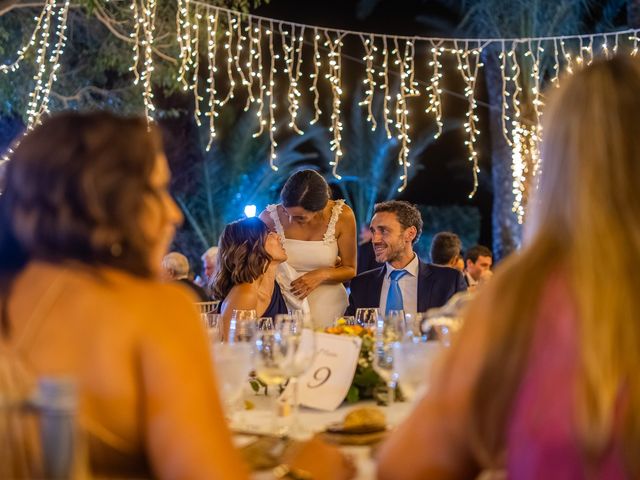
(436, 285)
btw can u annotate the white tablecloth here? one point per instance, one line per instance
(312, 421)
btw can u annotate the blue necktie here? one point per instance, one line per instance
(394, 297)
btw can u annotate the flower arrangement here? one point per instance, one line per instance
(366, 383)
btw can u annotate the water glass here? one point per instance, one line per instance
(390, 329)
(367, 317)
(233, 362)
(413, 362)
(243, 326)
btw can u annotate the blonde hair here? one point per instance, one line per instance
(176, 265)
(584, 221)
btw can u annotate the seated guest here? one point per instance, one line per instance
(85, 220)
(209, 267)
(80, 297)
(478, 260)
(176, 267)
(404, 282)
(541, 382)
(366, 259)
(249, 256)
(445, 249)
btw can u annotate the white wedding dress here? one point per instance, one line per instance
(327, 301)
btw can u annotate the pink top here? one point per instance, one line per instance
(542, 437)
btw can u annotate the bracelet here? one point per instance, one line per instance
(284, 471)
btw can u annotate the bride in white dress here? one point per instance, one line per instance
(319, 236)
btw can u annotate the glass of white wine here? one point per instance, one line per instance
(284, 352)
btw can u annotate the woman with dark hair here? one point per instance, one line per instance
(319, 236)
(542, 381)
(85, 219)
(248, 257)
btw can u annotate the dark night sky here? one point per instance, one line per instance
(446, 176)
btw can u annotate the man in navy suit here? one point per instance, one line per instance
(404, 281)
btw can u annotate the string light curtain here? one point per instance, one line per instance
(245, 52)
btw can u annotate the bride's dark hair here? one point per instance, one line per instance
(306, 189)
(242, 256)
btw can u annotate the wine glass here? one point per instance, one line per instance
(367, 317)
(265, 323)
(242, 326)
(213, 325)
(285, 351)
(390, 329)
(413, 360)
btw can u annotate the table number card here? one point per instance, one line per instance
(326, 382)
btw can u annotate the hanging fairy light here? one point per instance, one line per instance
(261, 86)
(434, 91)
(335, 81)
(249, 65)
(272, 104)
(504, 117)
(228, 47)
(184, 41)
(212, 28)
(369, 48)
(292, 52)
(148, 31)
(237, 59)
(315, 75)
(384, 86)
(195, 61)
(469, 71)
(402, 112)
(22, 51)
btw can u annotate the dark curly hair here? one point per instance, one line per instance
(408, 214)
(242, 256)
(306, 189)
(75, 186)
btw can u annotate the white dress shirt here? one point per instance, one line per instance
(408, 286)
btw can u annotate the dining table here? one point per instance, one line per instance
(258, 422)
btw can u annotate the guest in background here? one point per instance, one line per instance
(404, 282)
(85, 220)
(315, 231)
(541, 382)
(460, 263)
(366, 256)
(445, 249)
(176, 268)
(209, 267)
(246, 278)
(478, 261)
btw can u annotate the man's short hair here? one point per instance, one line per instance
(407, 213)
(211, 254)
(477, 251)
(176, 265)
(445, 247)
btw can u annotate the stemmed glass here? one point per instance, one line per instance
(285, 351)
(390, 329)
(242, 326)
(234, 359)
(213, 325)
(367, 317)
(413, 359)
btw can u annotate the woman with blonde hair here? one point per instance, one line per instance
(542, 380)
